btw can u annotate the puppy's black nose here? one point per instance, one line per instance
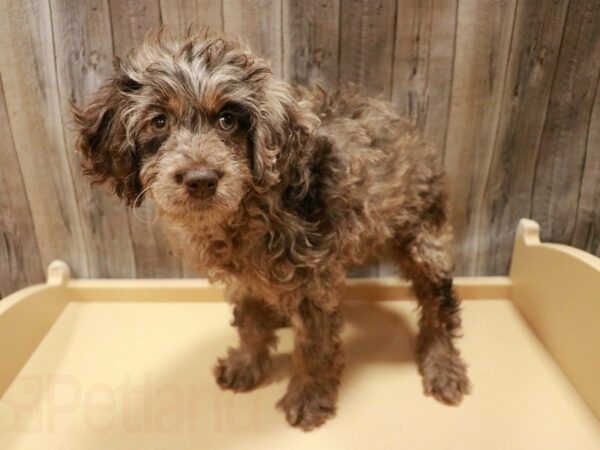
(201, 182)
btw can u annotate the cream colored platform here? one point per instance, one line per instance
(98, 364)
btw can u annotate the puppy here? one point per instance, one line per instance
(277, 190)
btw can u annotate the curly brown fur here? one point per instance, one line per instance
(302, 185)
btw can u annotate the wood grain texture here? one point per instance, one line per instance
(482, 44)
(83, 53)
(179, 15)
(20, 261)
(506, 89)
(131, 20)
(562, 153)
(258, 23)
(29, 80)
(423, 64)
(367, 44)
(507, 197)
(587, 221)
(311, 41)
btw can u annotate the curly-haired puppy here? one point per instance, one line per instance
(276, 190)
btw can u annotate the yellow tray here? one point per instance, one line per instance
(106, 364)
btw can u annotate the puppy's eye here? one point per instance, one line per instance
(227, 121)
(159, 122)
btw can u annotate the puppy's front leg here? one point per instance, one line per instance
(245, 366)
(317, 365)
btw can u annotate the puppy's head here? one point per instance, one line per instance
(196, 124)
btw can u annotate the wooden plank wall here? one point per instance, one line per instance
(508, 91)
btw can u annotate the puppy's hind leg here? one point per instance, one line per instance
(425, 258)
(245, 366)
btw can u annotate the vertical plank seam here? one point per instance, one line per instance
(222, 30)
(339, 55)
(281, 43)
(363, 41)
(64, 144)
(394, 42)
(112, 33)
(451, 94)
(288, 72)
(426, 84)
(223, 16)
(481, 195)
(160, 8)
(537, 157)
(494, 152)
(585, 155)
(20, 174)
(131, 242)
(160, 17)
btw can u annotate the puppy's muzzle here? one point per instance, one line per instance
(200, 183)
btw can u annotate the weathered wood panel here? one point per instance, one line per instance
(506, 89)
(179, 15)
(29, 80)
(561, 158)
(587, 222)
(367, 44)
(507, 198)
(423, 63)
(19, 255)
(482, 43)
(83, 53)
(131, 20)
(258, 23)
(311, 44)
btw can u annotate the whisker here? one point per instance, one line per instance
(135, 207)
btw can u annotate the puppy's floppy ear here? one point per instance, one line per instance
(102, 139)
(281, 126)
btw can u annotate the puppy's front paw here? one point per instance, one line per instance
(240, 371)
(308, 406)
(445, 377)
